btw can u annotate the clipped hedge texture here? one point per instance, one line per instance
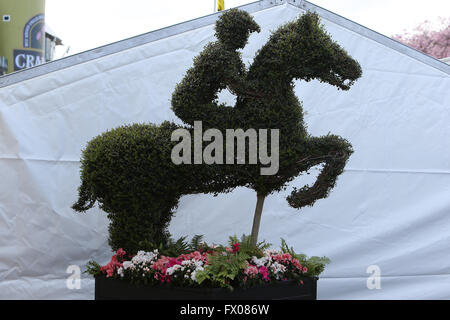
(128, 170)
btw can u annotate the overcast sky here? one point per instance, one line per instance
(86, 24)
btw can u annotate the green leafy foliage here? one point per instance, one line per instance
(171, 248)
(196, 243)
(174, 248)
(223, 269)
(233, 27)
(128, 171)
(225, 266)
(93, 268)
(246, 246)
(315, 265)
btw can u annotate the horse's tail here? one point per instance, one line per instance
(86, 199)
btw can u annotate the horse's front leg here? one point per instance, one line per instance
(333, 152)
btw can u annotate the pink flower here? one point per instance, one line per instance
(196, 255)
(286, 256)
(283, 257)
(161, 264)
(120, 252)
(109, 272)
(165, 278)
(111, 267)
(251, 271)
(236, 247)
(173, 261)
(264, 273)
(297, 264)
(428, 39)
(305, 269)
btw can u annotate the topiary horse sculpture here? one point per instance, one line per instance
(129, 170)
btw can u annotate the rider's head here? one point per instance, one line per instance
(234, 27)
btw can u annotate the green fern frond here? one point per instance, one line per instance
(196, 242)
(315, 265)
(93, 268)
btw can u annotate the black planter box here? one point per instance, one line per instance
(116, 289)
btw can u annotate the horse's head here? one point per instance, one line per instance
(234, 27)
(303, 49)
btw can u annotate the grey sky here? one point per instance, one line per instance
(86, 24)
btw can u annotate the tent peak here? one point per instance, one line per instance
(253, 7)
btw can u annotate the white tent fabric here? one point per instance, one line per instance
(390, 208)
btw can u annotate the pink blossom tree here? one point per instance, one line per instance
(435, 43)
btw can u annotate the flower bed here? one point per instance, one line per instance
(240, 265)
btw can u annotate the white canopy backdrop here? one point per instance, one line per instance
(390, 208)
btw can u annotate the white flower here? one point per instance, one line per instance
(143, 257)
(277, 268)
(269, 253)
(172, 269)
(198, 263)
(259, 262)
(194, 273)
